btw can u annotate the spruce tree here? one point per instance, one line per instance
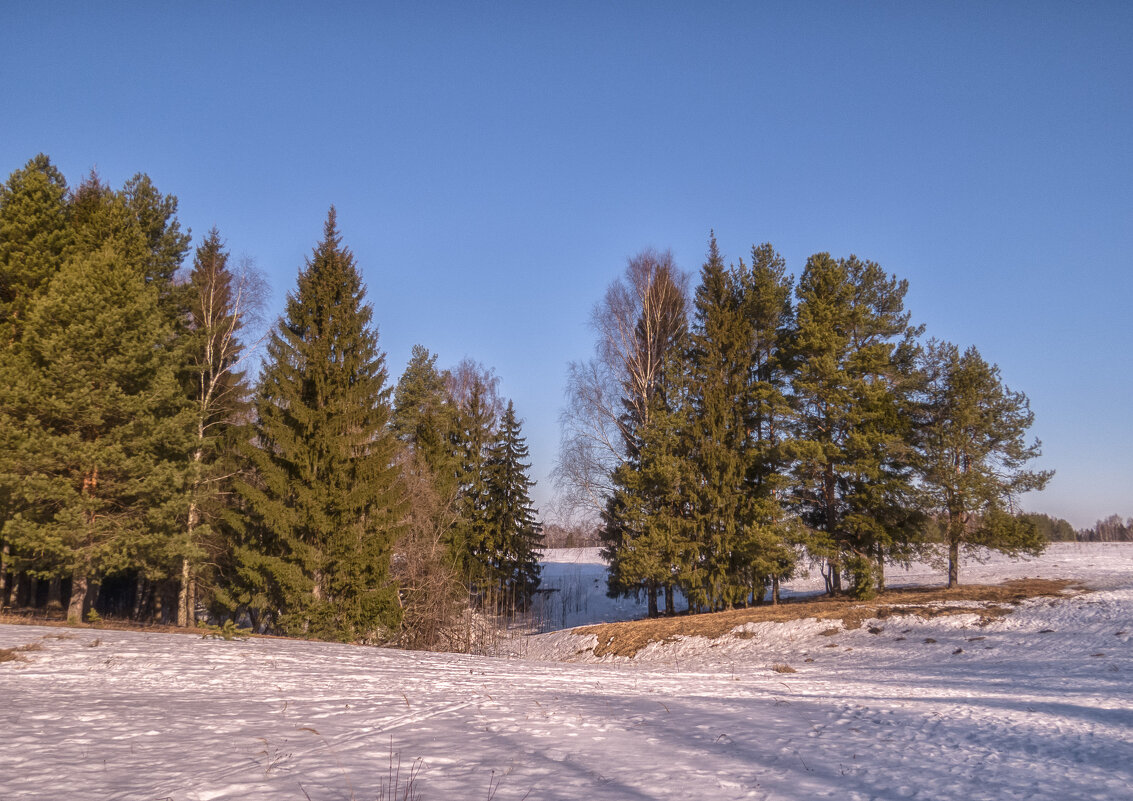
(471, 538)
(721, 364)
(103, 426)
(510, 553)
(975, 451)
(34, 238)
(424, 417)
(325, 504)
(769, 550)
(648, 526)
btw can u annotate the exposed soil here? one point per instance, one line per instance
(997, 600)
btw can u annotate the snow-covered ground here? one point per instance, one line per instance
(1036, 705)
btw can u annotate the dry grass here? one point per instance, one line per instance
(17, 654)
(997, 600)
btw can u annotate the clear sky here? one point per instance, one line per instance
(494, 164)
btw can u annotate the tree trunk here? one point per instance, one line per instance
(139, 597)
(774, 590)
(79, 588)
(652, 593)
(880, 569)
(5, 579)
(183, 600)
(55, 594)
(955, 530)
(670, 606)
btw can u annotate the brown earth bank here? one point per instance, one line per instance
(995, 600)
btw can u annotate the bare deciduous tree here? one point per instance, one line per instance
(642, 314)
(223, 304)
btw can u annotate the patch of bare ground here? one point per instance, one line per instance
(996, 600)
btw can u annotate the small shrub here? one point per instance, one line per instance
(93, 617)
(229, 631)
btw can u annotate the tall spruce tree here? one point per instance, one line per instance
(471, 538)
(99, 450)
(510, 553)
(975, 451)
(325, 506)
(648, 521)
(770, 550)
(103, 424)
(854, 392)
(720, 364)
(34, 239)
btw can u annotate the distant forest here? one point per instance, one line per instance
(720, 440)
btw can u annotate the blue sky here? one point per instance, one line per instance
(493, 165)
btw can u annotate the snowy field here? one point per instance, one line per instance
(1036, 705)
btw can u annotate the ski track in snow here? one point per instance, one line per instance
(1036, 705)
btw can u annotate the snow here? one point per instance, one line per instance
(1035, 705)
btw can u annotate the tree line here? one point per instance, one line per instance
(724, 435)
(145, 474)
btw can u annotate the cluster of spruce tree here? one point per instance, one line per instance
(143, 474)
(777, 420)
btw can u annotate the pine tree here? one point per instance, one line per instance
(853, 388)
(974, 449)
(325, 506)
(510, 553)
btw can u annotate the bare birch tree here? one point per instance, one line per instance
(223, 304)
(641, 316)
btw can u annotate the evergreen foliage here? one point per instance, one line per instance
(975, 452)
(325, 505)
(35, 235)
(645, 326)
(509, 553)
(853, 387)
(424, 417)
(102, 439)
(98, 436)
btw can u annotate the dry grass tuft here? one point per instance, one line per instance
(17, 654)
(629, 637)
(780, 667)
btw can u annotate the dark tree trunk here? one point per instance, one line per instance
(55, 594)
